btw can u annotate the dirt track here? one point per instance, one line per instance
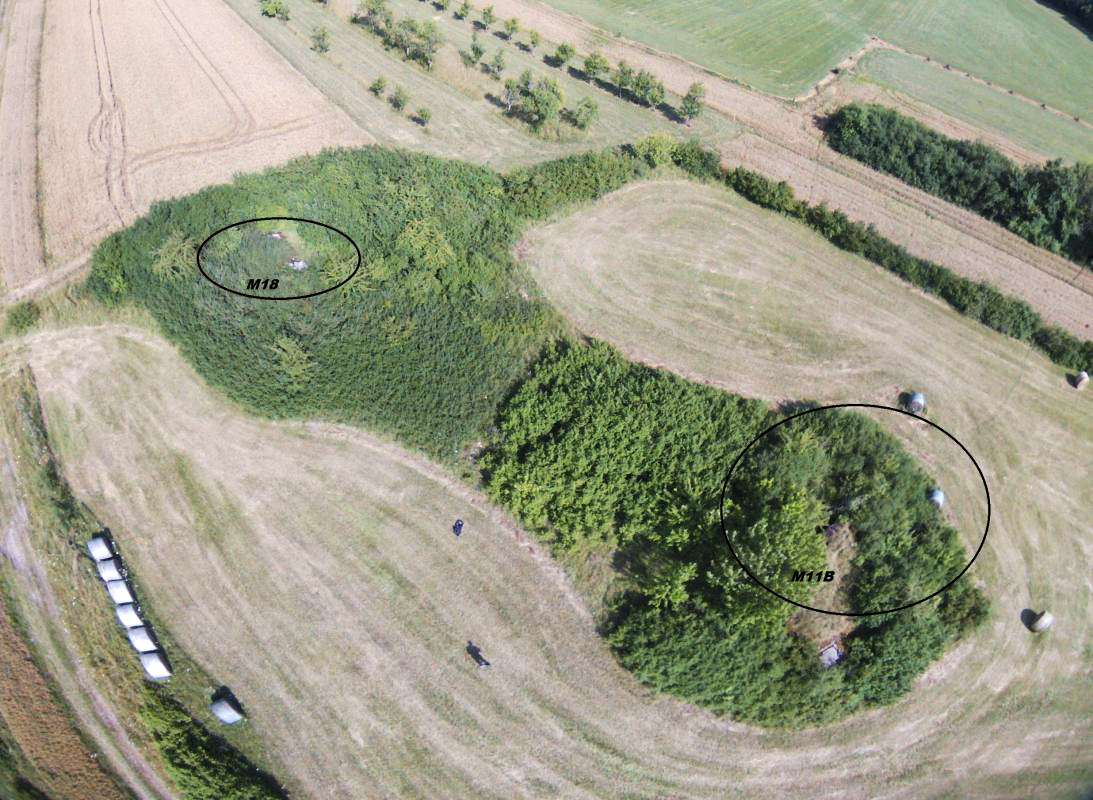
(148, 100)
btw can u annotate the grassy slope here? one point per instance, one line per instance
(464, 124)
(68, 615)
(785, 46)
(983, 106)
(720, 291)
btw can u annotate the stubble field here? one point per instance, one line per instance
(144, 101)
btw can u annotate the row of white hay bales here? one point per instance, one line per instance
(112, 572)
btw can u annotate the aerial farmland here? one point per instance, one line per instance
(565, 399)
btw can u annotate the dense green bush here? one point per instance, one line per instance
(421, 344)
(538, 191)
(979, 300)
(23, 316)
(593, 448)
(1080, 10)
(1049, 205)
(202, 765)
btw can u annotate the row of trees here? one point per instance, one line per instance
(639, 86)
(1050, 205)
(417, 41)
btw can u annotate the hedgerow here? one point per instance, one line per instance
(1050, 205)
(978, 300)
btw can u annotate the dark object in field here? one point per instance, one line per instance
(475, 652)
(458, 527)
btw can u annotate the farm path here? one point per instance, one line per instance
(38, 609)
(786, 143)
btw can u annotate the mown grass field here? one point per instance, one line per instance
(312, 567)
(697, 280)
(954, 94)
(786, 46)
(465, 124)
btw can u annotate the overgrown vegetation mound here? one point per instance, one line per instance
(422, 342)
(595, 448)
(1050, 205)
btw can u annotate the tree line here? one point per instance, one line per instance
(1050, 205)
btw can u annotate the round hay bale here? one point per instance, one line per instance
(937, 497)
(917, 403)
(1082, 380)
(1043, 622)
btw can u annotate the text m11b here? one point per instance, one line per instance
(818, 575)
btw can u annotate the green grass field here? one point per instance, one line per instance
(465, 124)
(982, 106)
(785, 46)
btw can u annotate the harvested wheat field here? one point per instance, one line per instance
(141, 101)
(20, 45)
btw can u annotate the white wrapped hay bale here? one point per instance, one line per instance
(110, 569)
(1043, 622)
(119, 592)
(141, 640)
(100, 549)
(128, 616)
(155, 666)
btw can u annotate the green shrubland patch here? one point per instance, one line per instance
(442, 340)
